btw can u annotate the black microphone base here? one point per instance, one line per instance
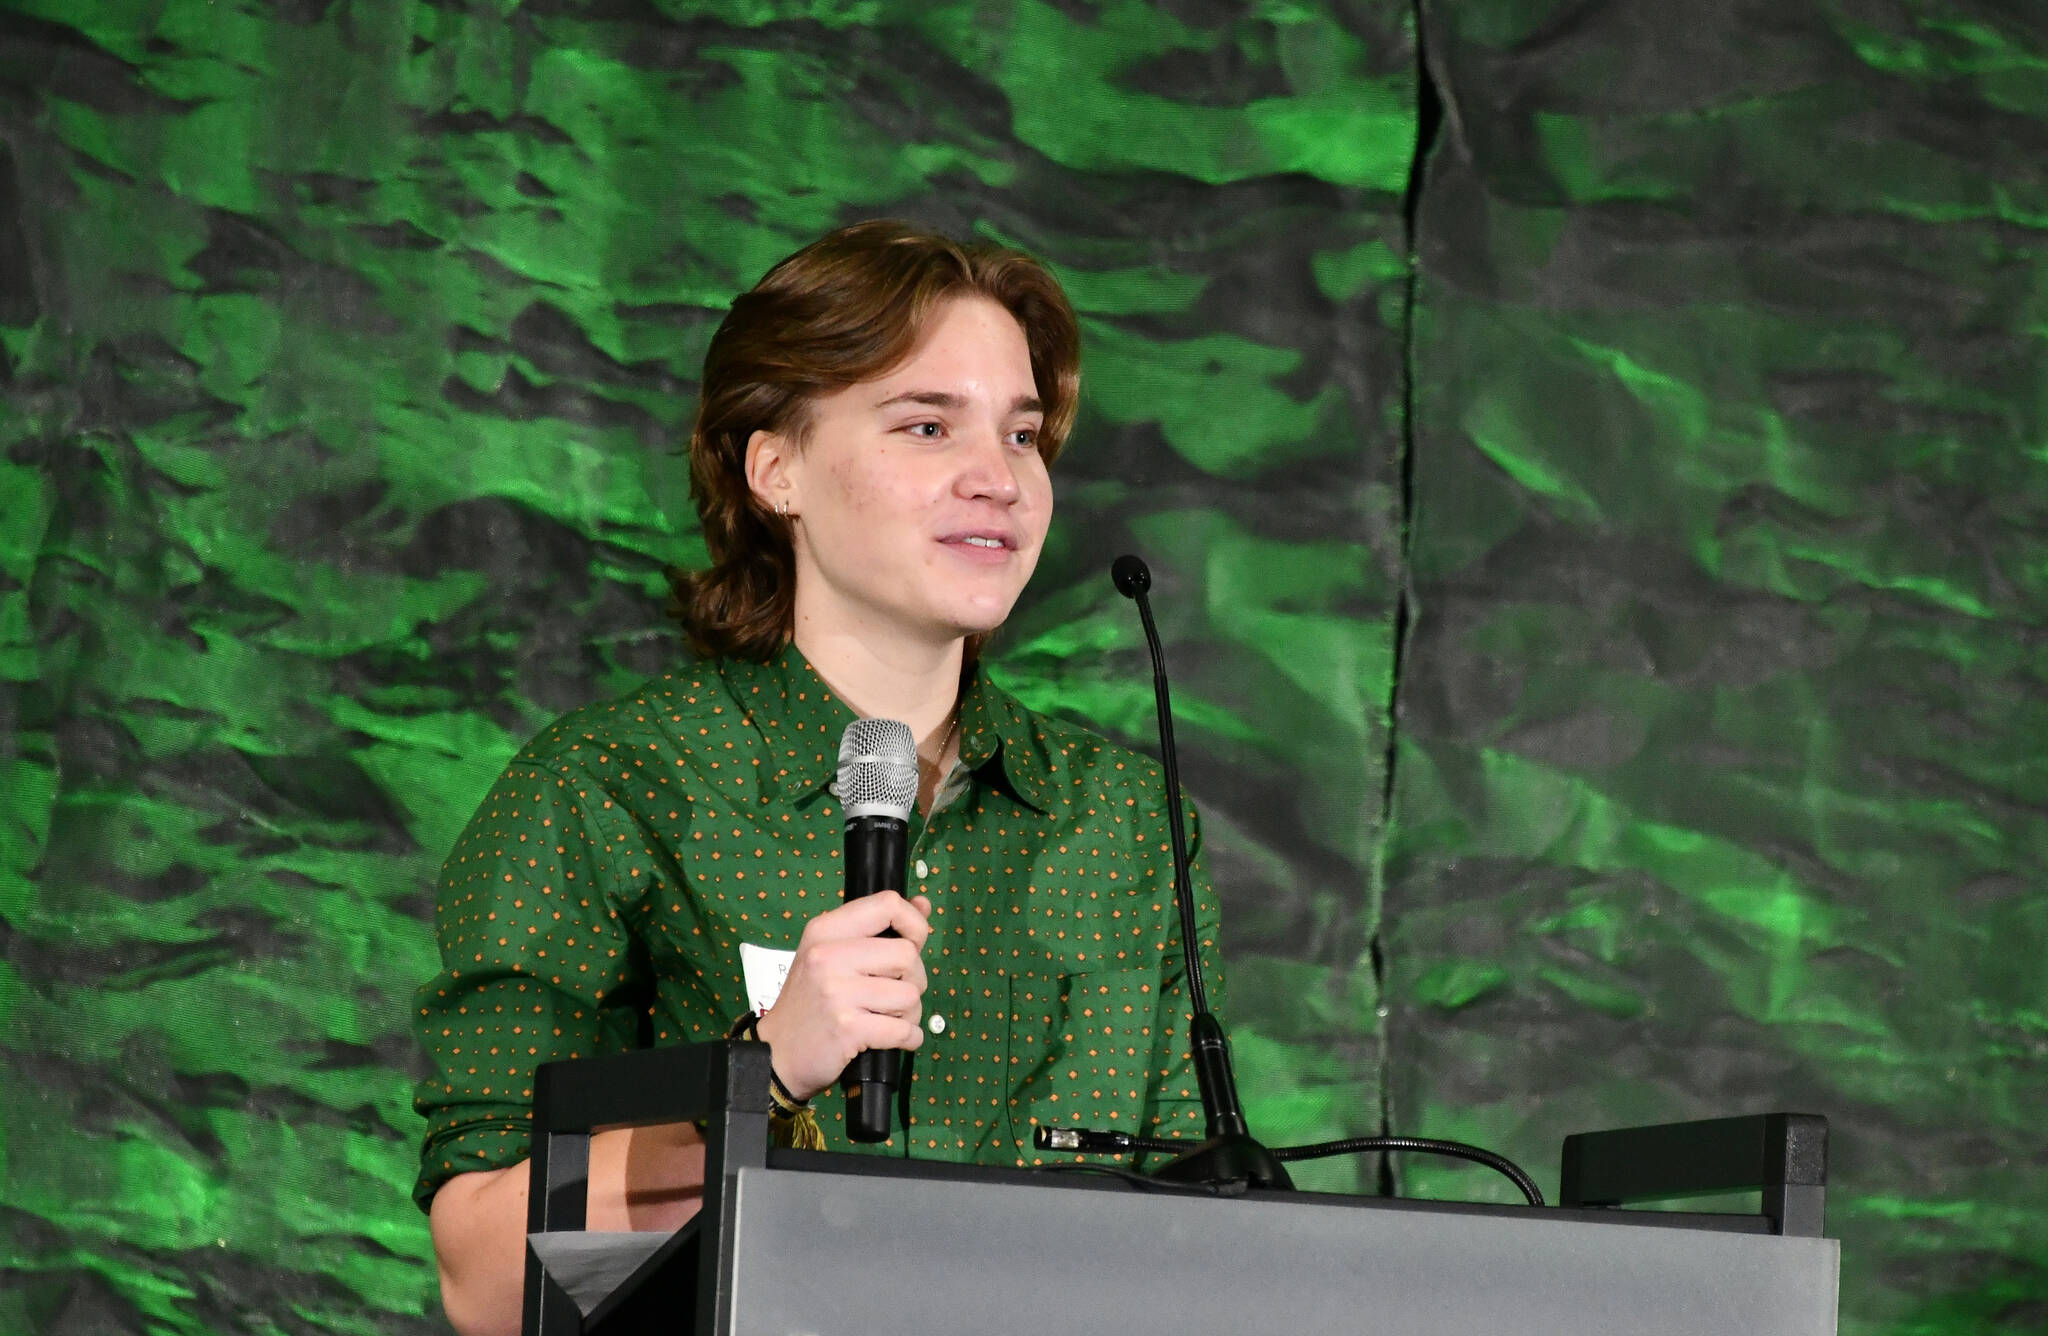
(1230, 1158)
(871, 1081)
(868, 1104)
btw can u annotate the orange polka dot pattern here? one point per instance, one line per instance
(598, 898)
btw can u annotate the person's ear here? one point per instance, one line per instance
(771, 475)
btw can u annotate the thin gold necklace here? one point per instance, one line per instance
(952, 727)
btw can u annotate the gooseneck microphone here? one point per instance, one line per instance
(877, 786)
(1229, 1154)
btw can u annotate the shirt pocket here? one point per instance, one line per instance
(1084, 1050)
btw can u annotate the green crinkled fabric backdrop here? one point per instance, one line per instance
(1592, 455)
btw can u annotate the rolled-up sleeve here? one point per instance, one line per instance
(536, 964)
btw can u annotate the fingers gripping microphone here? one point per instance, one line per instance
(877, 785)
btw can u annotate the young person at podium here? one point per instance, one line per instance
(870, 462)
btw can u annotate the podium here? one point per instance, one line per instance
(808, 1242)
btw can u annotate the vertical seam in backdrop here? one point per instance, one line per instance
(1428, 118)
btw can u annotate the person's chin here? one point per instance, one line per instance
(979, 617)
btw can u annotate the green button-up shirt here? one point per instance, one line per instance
(598, 899)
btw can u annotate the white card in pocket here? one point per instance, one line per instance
(765, 969)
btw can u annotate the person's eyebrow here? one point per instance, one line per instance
(933, 398)
(1023, 403)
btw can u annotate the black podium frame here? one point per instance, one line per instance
(723, 1086)
(684, 1284)
(1784, 1156)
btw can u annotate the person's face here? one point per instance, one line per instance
(921, 499)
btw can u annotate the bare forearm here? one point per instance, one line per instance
(848, 989)
(648, 1178)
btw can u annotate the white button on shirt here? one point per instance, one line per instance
(937, 1023)
(923, 868)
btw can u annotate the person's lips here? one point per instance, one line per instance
(981, 544)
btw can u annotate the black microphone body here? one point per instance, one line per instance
(877, 848)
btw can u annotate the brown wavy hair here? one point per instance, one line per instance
(847, 308)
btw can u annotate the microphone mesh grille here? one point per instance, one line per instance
(877, 769)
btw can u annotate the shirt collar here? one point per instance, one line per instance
(999, 742)
(801, 721)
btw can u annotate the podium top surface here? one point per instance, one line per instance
(923, 1252)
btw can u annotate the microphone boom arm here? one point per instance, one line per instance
(1229, 1154)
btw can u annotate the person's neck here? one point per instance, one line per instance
(882, 677)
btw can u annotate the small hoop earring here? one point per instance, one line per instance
(782, 509)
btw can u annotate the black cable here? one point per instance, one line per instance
(1095, 1141)
(1089, 1141)
(1427, 1145)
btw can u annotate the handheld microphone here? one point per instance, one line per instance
(877, 785)
(1229, 1154)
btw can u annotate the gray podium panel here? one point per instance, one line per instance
(843, 1255)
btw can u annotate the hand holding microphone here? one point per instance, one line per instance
(854, 995)
(849, 989)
